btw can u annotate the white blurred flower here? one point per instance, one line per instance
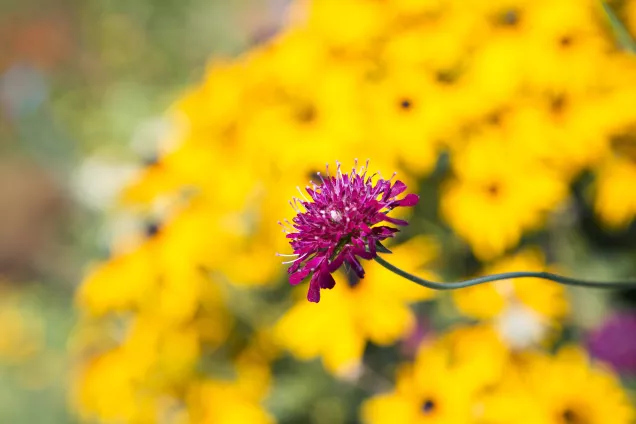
(98, 181)
(153, 137)
(521, 327)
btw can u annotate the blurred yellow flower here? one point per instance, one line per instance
(567, 388)
(213, 402)
(615, 199)
(444, 381)
(492, 202)
(106, 391)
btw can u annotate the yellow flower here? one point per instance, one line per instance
(494, 73)
(407, 116)
(164, 274)
(492, 202)
(375, 308)
(479, 353)
(302, 129)
(128, 382)
(567, 47)
(115, 285)
(160, 355)
(332, 20)
(105, 389)
(615, 198)
(430, 41)
(567, 132)
(567, 388)
(443, 383)
(216, 402)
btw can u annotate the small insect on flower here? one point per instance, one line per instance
(335, 224)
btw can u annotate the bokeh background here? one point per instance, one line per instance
(148, 150)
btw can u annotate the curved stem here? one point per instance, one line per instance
(568, 281)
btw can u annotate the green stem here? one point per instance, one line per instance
(505, 276)
(624, 38)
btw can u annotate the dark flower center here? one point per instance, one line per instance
(151, 229)
(493, 189)
(558, 104)
(405, 104)
(624, 145)
(565, 41)
(428, 406)
(445, 76)
(510, 18)
(570, 416)
(495, 118)
(307, 114)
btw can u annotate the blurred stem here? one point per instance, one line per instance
(622, 35)
(568, 281)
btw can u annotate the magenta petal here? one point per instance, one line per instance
(372, 248)
(409, 200)
(326, 280)
(393, 220)
(299, 276)
(364, 254)
(357, 267)
(313, 294)
(384, 231)
(398, 187)
(337, 263)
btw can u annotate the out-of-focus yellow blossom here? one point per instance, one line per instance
(107, 391)
(401, 115)
(479, 351)
(615, 196)
(570, 45)
(157, 276)
(492, 201)
(447, 383)
(567, 388)
(375, 309)
(444, 381)
(212, 402)
(332, 20)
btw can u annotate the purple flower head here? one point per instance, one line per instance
(335, 225)
(614, 342)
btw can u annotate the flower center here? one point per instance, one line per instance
(151, 229)
(570, 416)
(406, 103)
(493, 189)
(335, 215)
(428, 406)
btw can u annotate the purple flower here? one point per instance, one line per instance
(336, 225)
(614, 342)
